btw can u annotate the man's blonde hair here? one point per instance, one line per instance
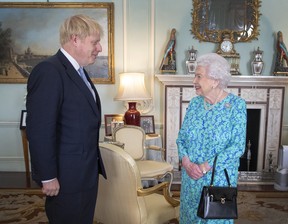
(80, 25)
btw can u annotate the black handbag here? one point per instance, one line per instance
(218, 202)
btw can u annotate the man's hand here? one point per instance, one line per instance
(51, 188)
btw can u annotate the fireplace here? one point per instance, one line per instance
(264, 96)
(249, 160)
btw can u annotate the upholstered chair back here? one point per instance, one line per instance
(133, 138)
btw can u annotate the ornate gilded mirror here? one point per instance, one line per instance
(212, 20)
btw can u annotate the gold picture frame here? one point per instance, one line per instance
(32, 32)
(211, 20)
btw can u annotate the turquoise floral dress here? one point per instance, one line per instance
(204, 134)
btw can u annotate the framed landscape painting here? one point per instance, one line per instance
(30, 33)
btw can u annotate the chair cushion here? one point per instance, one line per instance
(159, 210)
(151, 168)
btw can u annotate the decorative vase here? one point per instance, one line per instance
(191, 62)
(257, 64)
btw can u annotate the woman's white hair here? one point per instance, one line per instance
(217, 68)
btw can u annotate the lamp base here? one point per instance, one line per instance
(132, 115)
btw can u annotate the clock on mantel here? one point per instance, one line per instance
(226, 49)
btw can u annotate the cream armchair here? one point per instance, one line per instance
(133, 138)
(121, 198)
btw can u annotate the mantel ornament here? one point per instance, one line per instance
(281, 62)
(227, 50)
(257, 64)
(168, 63)
(191, 62)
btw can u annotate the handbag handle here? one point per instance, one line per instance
(213, 171)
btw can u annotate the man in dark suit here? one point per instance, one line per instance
(63, 122)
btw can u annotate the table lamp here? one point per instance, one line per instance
(132, 89)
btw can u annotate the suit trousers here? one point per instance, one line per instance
(72, 208)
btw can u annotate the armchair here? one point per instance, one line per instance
(133, 138)
(121, 198)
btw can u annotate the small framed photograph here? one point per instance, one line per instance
(23, 119)
(112, 121)
(147, 123)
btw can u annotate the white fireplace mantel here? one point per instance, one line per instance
(235, 80)
(266, 93)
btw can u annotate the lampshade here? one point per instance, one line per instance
(132, 87)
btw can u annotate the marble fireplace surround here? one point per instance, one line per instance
(266, 93)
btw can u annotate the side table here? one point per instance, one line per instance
(26, 155)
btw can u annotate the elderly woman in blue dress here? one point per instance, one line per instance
(214, 124)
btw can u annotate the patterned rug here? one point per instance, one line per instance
(27, 206)
(262, 207)
(22, 206)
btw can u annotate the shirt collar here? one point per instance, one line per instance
(71, 59)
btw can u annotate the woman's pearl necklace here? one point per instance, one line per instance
(208, 107)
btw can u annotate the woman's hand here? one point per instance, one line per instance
(193, 170)
(205, 167)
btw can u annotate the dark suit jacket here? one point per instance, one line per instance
(63, 124)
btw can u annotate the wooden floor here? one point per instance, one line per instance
(19, 180)
(16, 180)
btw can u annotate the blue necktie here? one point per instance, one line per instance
(83, 76)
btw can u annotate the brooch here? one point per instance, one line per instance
(227, 105)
